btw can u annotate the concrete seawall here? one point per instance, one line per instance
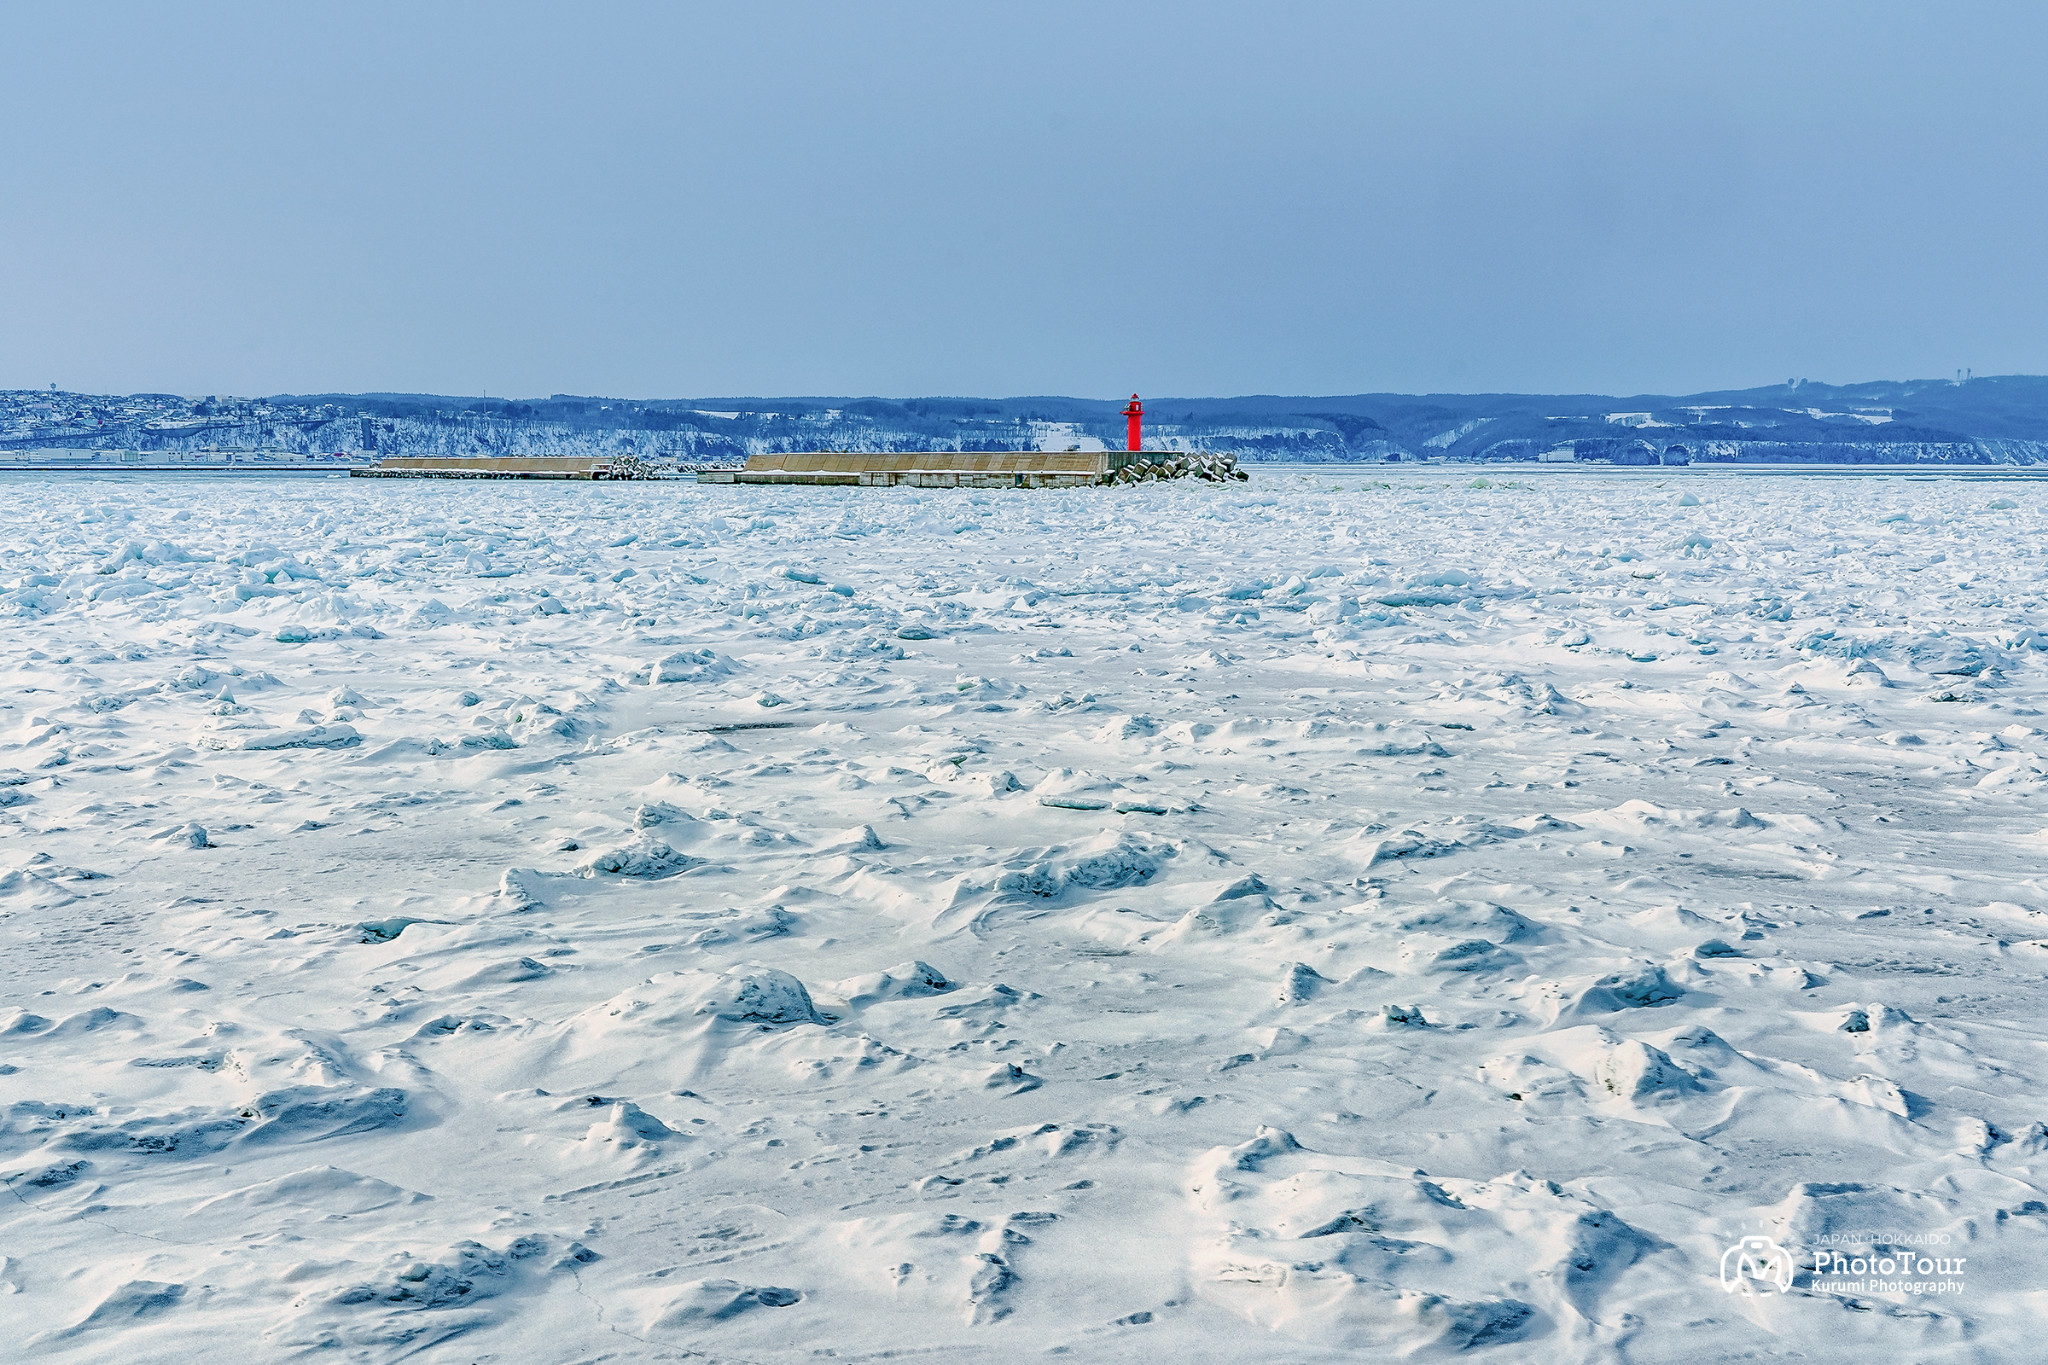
(929, 469)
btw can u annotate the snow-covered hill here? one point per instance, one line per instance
(1984, 421)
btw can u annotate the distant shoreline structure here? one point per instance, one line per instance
(130, 461)
(1342, 473)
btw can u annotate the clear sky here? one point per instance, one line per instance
(963, 198)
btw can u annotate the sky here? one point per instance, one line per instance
(666, 200)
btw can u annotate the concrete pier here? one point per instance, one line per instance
(929, 469)
(582, 467)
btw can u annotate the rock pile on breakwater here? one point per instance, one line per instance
(1214, 468)
(634, 467)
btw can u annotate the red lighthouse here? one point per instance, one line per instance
(1134, 415)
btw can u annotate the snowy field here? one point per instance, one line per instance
(1293, 922)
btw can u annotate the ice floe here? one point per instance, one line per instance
(1207, 921)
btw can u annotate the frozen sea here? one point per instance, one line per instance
(1404, 916)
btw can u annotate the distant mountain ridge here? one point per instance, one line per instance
(1991, 420)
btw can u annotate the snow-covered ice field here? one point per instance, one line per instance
(1286, 922)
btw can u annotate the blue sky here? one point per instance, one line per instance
(900, 199)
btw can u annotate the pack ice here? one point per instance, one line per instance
(1307, 920)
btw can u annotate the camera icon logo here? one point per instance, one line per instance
(1757, 1264)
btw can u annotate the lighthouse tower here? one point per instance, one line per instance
(1134, 415)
